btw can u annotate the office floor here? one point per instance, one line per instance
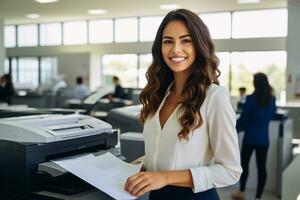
(225, 194)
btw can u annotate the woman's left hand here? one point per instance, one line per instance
(143, 182)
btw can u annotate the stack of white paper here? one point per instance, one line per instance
(105, 172)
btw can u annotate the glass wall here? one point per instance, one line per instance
(6, 66)
(28, 71)
(145, 61)
(27, 35)
(75, 33)
(245, 64)
(222, 25)
(101, 31)
(224, 67)
(10, 36)
(131, 27)
(14, 69)
(48, 69)
(259, 23)
(148, 27)
(119, 65)
(219, 24)
(50, 34)
(236, 68)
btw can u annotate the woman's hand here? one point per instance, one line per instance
(143, 182)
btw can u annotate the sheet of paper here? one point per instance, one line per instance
(105, 172)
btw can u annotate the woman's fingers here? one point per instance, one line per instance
(130, 181)
(134, 183)
(143, 191)
(138, 187)
(143, 182)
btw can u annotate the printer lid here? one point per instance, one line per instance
(50, 128)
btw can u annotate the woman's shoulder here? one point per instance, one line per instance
(216, 94)
(216, 90)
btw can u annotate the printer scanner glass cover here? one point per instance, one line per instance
(50, 128)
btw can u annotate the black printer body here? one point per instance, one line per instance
(19, 168)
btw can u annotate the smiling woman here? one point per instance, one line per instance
(177, 47)
(188, 120)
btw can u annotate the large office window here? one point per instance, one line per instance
(259, 23)
(101, 31)
(224, 67)
(14, 69)
(28, 72)
(219, 24)
(75, 33)
(122, 65)
(10, 36)
(27, 35)
(48, 69)
(148, 27)
(126, 30)
(145, 61)
(50, 34)
(246, 64)
(6, 66)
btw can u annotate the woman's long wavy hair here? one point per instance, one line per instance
(262, 89)
(204, 72)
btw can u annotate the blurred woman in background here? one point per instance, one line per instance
(256, 115)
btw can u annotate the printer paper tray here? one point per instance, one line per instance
(67, 184)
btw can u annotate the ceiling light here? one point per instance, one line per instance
(46, 1)
(33, 16)
(97, 11)
(168, 6)
(248, 1)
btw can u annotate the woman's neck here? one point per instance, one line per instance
(179, 83)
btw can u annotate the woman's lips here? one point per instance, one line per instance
(178, 59)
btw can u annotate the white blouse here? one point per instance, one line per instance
(211, 153)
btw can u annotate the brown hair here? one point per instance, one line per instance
(262, 89)
(159, 76)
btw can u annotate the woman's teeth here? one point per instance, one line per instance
(178, 59)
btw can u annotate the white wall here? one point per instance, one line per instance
(2, 49)
(293, 51)
(95, 72)
(73, 65)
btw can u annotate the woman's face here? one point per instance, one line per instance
(177, 46)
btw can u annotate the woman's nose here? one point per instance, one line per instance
(177, 48)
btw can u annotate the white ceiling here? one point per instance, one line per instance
(14, 11)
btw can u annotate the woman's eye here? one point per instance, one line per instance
(186, 41)
(167, 41)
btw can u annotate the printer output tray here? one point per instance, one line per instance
(67, 184)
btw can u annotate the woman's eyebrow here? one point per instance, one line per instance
(183, 36)
(167, 37)
(188, 35)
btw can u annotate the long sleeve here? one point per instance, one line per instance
(226, 168)
(242, 121)
(273, 107)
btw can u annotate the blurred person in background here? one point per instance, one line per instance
(119, 90)
(80, 90)
(256, 115)
(6, 89)
(242, 99)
